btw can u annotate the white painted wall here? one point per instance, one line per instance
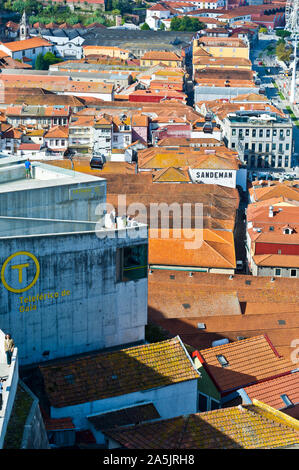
(170, 401)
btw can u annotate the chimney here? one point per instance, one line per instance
(271, 213)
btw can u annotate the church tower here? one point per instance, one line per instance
(24, 27)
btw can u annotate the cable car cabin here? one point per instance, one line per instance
(208, 128)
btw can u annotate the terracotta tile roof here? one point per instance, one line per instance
(241, 427)
(25, 44)
(171, 174)
(189, 142)
(140, 120)
(283, 261)
(249, 97)
(12, 134)
(270, 391)
(219, 61)
(223, 42)
(125, 416)
(59, 424)
(216, 251)
(29, 147)
(57, 132)
(160, 157)
(117, 373)
(249, 361)
(277, 190)
(161, 55)
(158, 7)
(283, 217)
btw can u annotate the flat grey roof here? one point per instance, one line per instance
(56, 177)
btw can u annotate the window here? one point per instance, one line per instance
(131, 263)
(286, 161)
(253, 132)
(287, 146)
(214, 404)
(246, 131)
(274, 132)
(280, 148)
(234, 131)
(233, 145)
(268, 133)
(267, 147)
(288, 132)
(115, 139)
(253, 147)
(277, 272)
(261, 133)
(273, 146)
(222, 361)
(246, 145)
(260, 147)
(202, 402)
(293, 273)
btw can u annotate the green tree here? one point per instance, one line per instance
(283, 53)
(145, 27)
(50, 58)
(162, 26)
(186, 24)
(40, 63)
(282, 33)
(263, 30)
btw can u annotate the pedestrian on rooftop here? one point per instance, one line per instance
(28, 168)
(8, 347)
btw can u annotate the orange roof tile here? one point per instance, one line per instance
(161, 55)
(104, 375)
(57, 132)
(30, 43)
(249, 361)
(241, 427)
(270, 392)
(215, 249)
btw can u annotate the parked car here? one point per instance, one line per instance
(96, 162)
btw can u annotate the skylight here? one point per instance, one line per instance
(286, 400)
(222, 361)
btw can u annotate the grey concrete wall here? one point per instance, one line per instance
(24, 226)
(55, 202)
(76, 305)
(34, 435)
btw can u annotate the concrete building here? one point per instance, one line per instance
(262, 138)
(144, 383)
(70, 285)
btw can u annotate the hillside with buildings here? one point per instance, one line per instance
(149, 220)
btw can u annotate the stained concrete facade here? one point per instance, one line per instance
(61, 290)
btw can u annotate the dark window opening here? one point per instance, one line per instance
(131, 263)
(202, 402)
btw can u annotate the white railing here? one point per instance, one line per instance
(9, 386)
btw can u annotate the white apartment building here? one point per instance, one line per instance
(262, 138)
